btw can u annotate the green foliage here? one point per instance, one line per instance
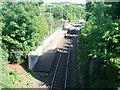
(73, 12)
(68, 11)
(23, 30)
(9, 79)
(4, 80)
(99, 39)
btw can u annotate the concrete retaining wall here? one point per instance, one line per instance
(33, 56)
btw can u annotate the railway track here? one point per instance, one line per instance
(60, 79)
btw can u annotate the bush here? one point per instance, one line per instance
(100, 39)
(23, 30)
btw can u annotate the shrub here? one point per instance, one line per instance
(23, 30)
(100, 38)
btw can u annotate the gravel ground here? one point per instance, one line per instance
(73, 72)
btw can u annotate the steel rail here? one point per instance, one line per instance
(56, 69)
(66, 74)
(55, 73)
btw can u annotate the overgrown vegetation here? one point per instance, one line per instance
(99, 46)
(23, 29)
(67, 11)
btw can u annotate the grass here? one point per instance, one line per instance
(15, 79)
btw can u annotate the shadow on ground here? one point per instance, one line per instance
(45, 66)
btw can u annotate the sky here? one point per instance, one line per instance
(72, 1)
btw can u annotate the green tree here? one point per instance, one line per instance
(23, 30)
(101, 38)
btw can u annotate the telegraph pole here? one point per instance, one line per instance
(50, 21)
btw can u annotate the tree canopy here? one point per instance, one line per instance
(100, 46)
